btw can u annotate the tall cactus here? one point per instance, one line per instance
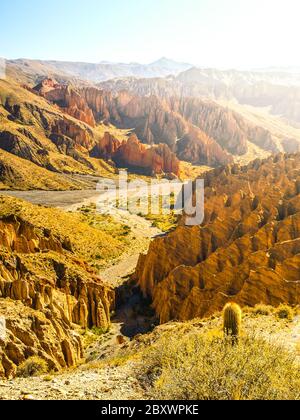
(232, 321)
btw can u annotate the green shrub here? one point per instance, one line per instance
(284, 312)
(199, 367)
(34, 366)
(99, 331)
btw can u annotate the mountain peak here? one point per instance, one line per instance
(164, 61)
(171, 65)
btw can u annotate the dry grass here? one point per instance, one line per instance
(260, 310)
(167, 218)
(118, 360)
(191, 172)
(21, 174)
(105, 223)
(34, 366)
(165, 223)
(206, 367)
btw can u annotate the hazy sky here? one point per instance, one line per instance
(217, 33)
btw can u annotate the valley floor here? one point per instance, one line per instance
(61, 199)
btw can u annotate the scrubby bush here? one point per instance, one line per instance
(34, 366)
(285, 312)
(261, 309)
(198, 367)
(99, 331)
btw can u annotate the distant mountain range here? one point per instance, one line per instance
(98, 72)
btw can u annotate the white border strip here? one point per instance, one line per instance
(2, 68)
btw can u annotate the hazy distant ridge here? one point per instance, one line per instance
(98, 72)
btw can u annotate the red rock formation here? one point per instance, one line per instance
(68, 99)
(217, 122)
(46, 86)
(132, 153)
(158, 159)
(156, 120)
(246, 251)
(196, 147)
(107, 147)
(18, 236)
(100, 102)
(230, 129)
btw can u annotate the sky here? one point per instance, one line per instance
(207, 33)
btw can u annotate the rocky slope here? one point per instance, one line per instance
(227, 127)
(54, 143)
(247, 250)
(156, 122)
(153, 108)
(91, 106)
(198, 131)
(47, 289)
(126, 374)
(21, 174)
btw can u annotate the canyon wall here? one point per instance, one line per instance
(246, 251)
(216, 102)
(152, 118)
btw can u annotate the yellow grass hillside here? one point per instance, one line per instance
(20, 174)
(96, 243)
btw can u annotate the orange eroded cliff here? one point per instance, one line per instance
(247, 250)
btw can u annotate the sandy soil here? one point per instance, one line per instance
(110, 383)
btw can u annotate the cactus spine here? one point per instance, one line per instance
(232, 321)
